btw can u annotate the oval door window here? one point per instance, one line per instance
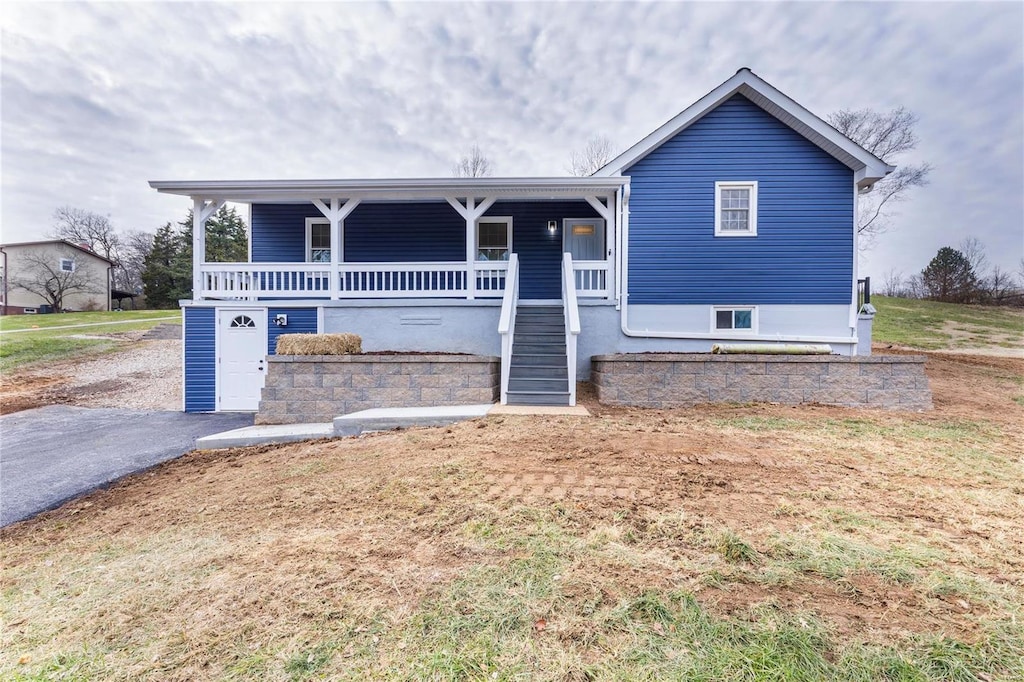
(242, 322)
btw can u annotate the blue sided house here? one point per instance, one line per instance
(734, 221)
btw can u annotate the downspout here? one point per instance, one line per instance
(4, 312)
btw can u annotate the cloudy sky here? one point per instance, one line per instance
(97, 99)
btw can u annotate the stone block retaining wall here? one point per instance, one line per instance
(317, 388)
(679, 379)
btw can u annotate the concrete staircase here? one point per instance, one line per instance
(538, 374)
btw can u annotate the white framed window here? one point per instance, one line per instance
(734, 319)
(67, 265)
(493, 238)
(736, 209)
(318, 240)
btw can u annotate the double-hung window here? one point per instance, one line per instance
(736, 209)
(734, 319)
(318, 241)
(67, 265)
(493, 238)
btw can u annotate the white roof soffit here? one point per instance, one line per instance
(867, 167)
(408, 188)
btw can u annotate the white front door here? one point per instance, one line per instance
(241, 358)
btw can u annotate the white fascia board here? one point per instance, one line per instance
(402, 188)
(746, 82)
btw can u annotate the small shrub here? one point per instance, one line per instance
(319, 344)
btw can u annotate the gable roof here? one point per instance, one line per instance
(59, 242)
(867, 167)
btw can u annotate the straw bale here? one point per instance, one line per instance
(319, 344)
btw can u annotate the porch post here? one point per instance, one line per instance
(606, 210)
(336, 214)
(202, 210)
(470, 248)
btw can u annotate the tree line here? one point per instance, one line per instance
(959, 275)
(158, 264)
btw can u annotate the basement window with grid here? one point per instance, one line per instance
(736, 209)
(734, 319)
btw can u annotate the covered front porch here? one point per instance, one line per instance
(394, 239)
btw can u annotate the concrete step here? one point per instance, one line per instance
(383, 419)
(538, 397)
(538, 384)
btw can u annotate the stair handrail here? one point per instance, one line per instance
(572, 321)
(507, 321)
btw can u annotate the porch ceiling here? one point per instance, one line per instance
(246, 191)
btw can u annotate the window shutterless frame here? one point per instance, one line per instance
(734, 319)
(317, 250)
(67, 265)
(736, 208)
(493, 243)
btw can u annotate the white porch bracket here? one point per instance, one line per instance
(470, 208)
(202, 210)
(335, 211)
(606, 209)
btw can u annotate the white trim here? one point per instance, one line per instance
(507, 219)
(319, 321)
(868, 167)
(751, 230)
(715, 329)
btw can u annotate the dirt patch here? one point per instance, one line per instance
(143, 374)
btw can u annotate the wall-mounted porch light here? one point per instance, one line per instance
(552, 226)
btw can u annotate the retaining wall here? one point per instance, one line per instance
(680, 379)
(318, 388)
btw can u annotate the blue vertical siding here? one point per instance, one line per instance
(300, 321)
(540, 252)
(803, 251)
(200, 360)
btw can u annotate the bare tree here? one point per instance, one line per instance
(893, 283)
(86, 228)
(974, 251)
(473, 165)
(592, 157)
(135, 246)
(41, 273)
(998, 286)
(886, 135)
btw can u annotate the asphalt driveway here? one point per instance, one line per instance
(52, 454)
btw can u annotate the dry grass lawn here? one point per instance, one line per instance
(744, 542)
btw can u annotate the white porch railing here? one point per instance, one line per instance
(353, 280)
(572, 321)
(507, 322)
(250, 281)
(591, 277)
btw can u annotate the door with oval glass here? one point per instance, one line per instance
(241, 358)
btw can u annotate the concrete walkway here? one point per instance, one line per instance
(53, 454)
(379, 419)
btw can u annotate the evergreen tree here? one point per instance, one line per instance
(159, 280)
(950, 277)
(168, 274)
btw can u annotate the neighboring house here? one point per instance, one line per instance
(734, 221)
(53, 275)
